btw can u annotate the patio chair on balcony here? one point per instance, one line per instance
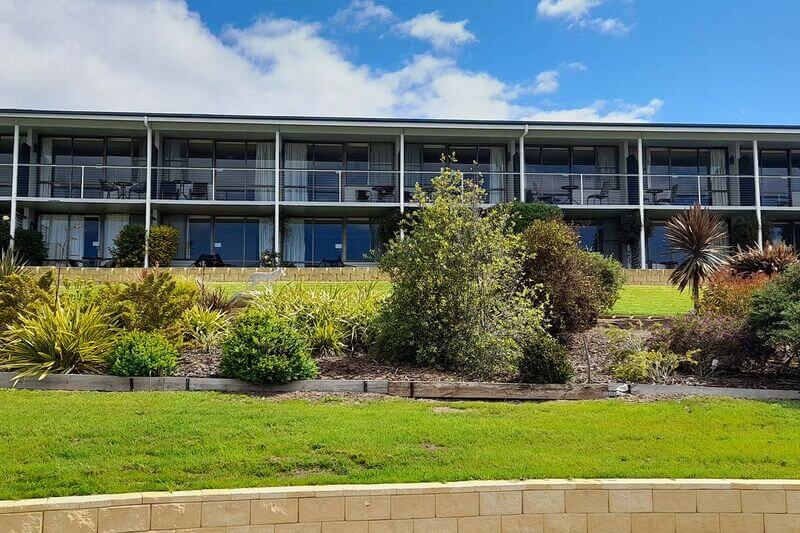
(673, 196)
(107, 188)
(533, 194)
(169, 190)
(199, 191)
(362, 195)
(601, 196)
(138, 189)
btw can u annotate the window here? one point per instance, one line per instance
(591, 237)
(775, 187)
(323, 240)
(6, 150)
(359, 240)
(659, 252)
(91, 237)
(199, 237)
(200, 154)
(231, 154)
(555, 160)
(357, 156)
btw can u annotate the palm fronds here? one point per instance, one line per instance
(774, 258)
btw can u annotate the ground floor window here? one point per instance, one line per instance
(329, 241)
(80, 237)
(238, 241)
(590, 236)
(785, 232)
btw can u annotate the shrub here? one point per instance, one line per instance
(455, 277)
(720, 343)
(522, 214)
(544, 360)
(335, 319)
(163, 245)
(610, 276)
(264, 348)
(743, 230)
(216, 299)
(577, 287)
(30, 247)
(19, 289)
(730, 294)
(651, 365)
(142, 354)
(128, 249)
(773, 259)
(66, 339)
(154, 301)
(775, 313)
(203, 328)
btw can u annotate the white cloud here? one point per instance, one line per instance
(546, 82)
(158, 56)
(578, 14)
(577, 65)
(431, 28)
(600, 111)
(359, 14)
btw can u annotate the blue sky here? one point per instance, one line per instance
(639, 60)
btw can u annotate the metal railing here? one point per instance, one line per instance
(582, 189)
(307, 185)
(214, 184)
(780, 191)
(704, 189)
(499, 187)
(81, 181)
(5, 179)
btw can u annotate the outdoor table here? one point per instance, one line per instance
(124, 188)
(183, 187)
(654, 192)
(570, 190)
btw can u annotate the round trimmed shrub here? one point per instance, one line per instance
(544, 360)
(263, 348)
(139, 353)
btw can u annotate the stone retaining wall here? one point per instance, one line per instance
(549, 506)
(216, 274)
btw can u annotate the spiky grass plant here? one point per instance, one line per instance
(696, 233)
(773, 259)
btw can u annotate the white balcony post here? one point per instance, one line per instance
(580, 177)
(147, 206)
(522, 168)
(642, 232)
(214, 184)
(276, 245)
(699, 194)
(83, 179)
(341, 190)
(757, 181)
(402, 178)
(14, 178)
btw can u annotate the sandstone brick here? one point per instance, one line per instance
(630, 501)
(718, 501)
(543, 501)
(220, 529)
(21, 522)
(781, 523)
(413, 506)
(70, 521)
(479, 524)
(345, 527)
(793, 501)
(123, 519)
(653, 523)
(298, 528)
(457, 504)
(565, 523)
(175, 515)
(586, 501)
(763, 501)
(741, 522)
(367, 507)
(230, 513)
(436, 525)
(609, 523)
(391, 526)
(250, 529)
(530, 523)
(674, 501)
(697, 523)
(321, 509)
(501, 503)
(277, 511)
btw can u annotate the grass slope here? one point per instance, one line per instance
(60, 443)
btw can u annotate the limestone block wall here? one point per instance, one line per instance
(548, 506)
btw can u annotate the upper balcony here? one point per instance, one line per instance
(339, 186)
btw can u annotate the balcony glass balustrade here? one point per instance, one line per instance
(348, 186)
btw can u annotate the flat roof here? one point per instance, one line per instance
(385, 121)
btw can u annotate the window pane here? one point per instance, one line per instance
(659, 161)
(200, 153)
(252, 253)
(555, 160)
(118, 152)
(359, 241)
(229, 240)
(231, 155)
(91, 237)
(583, 160)
(533, 160)
(465, 157)
(6, 150)
(591, 237)
(774, 163)
(328, 156)
(659, 253)
(327, 241)
(780, 232)
(199, 237)
(357, 156)
(87, 151)
(432, 157)
(795, 160)
(684, 162)
(703, 161)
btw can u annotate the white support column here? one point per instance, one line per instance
(522, 168)
(14, 178)
(276, 241)
(402, 179)
(642, 232)
(148, 196)
(757, 181)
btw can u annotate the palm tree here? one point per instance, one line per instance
(696, 233)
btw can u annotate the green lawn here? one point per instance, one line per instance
(62, 443)
(634, 300)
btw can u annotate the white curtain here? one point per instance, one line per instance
(296, 182)
(266, 235)
(381, 158)
(719, 186)
(112, 224)
(63, 236)
(46, 172)
(497, 164)
(606, 163)
(265, 179)
(294, 242)
(413, 164)
(76, 236)
(172, 158)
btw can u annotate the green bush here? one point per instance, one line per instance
(454, 302)
(29, 244)
(163, 245)
(610, 276)
(775, 314)
(521, 215)
(655, 366)
(19, 289)
(335, 319)
(154, 301)
(263, 348)
(67, 339)
(544, 360)
(202, 328)
(138, 353)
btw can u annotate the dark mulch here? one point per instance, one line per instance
(366, 367)
(196, 364)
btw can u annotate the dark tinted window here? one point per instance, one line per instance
(231, 154)
(359, 240)
(357, 157)
(201, 153)
(774, 162)
(328, 156)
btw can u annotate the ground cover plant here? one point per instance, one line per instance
(173, 441)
